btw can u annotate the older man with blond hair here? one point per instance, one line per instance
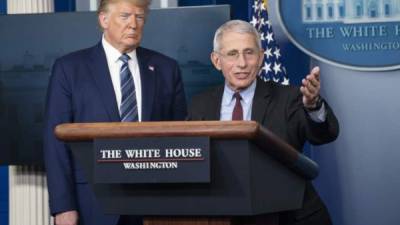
(116, 80)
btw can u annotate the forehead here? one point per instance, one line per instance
(237, 41)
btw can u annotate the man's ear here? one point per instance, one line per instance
(103, 20)
(261, 58)
(216, 60)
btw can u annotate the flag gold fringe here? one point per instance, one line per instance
(265, 2)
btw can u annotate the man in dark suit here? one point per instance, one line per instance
(116, 80)
(295, 114)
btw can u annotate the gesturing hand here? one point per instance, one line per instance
(310, 88)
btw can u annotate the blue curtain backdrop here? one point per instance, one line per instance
(64, 5)
(3, 6)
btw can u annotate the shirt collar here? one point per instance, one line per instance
(247, 93)
(113, 54)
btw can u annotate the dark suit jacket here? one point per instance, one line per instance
(81, 90)
(280, 109)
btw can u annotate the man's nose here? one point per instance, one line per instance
(241, 60)
(132, 22)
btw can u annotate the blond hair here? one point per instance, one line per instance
(103, 6)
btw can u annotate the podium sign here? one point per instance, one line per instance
(152, 160)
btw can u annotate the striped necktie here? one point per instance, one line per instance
(128, 108)
(237, 113)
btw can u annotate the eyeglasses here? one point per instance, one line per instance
(233, 56)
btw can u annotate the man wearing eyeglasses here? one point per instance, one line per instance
(295, 114)
(113, 81)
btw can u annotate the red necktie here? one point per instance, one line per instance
(237, 113)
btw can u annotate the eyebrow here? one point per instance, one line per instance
(125, 14)
(246, 49)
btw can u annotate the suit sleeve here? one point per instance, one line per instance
(56, 154)
(306, 128)
(191, 110)
(179, 108)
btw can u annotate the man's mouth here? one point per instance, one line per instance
(241, 75)
(131, 36)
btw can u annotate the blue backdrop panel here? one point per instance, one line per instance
(196, 2)
(3, 6)
(238, 7)
(64, 5)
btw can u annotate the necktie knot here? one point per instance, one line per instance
(124, 58)
(237, 96)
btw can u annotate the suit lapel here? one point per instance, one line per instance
(261, 101)
(148, 80)
(101, 75)
(214, 112)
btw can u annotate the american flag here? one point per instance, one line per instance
(272, 68)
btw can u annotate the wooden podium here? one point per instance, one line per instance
(253, 173)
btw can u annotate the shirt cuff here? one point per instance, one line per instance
(318, 116)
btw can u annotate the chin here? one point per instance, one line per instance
(131, 41)
(243, 84)
(239, 86)
(131, 46)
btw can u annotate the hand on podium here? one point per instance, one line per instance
(67, 218)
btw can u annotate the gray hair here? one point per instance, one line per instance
(237, 26)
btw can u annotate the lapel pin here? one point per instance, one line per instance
(151, 68)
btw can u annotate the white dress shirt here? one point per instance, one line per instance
(114, 65)
(228, 102)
